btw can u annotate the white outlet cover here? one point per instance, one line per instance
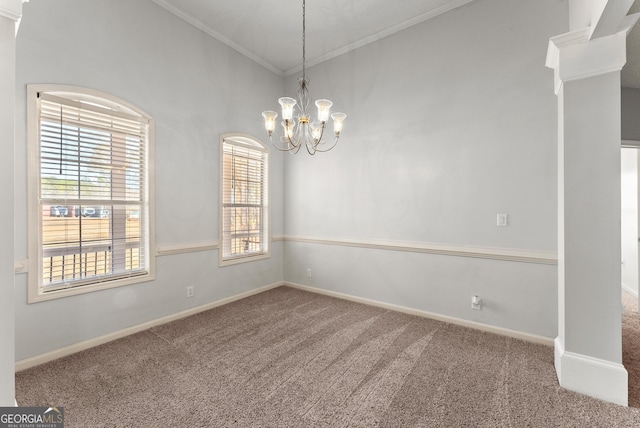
(502, 220)
(476, 303)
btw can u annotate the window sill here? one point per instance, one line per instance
(246, 259)
(36, 296)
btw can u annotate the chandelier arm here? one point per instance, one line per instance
(284, 149)
(292, 138)
(281, 148)
(332, 146)
(295, 149)
(290, 142)
(311, 149)
(321, 135)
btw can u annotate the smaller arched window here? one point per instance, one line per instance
(244, 195)
(90, 211)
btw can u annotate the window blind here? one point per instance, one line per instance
(244, 201)
(93, 195)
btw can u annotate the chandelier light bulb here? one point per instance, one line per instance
(269, 120)
(287, 125)
(338, 118)
(287, 104)
(316, 131)
(324, 107)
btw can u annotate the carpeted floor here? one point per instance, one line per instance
(289, 358)
(631, 345)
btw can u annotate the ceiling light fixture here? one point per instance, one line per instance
(306, 131)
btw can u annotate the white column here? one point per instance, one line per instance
(588, 349)
(10, 11)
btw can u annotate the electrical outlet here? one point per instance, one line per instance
(190, 291)
(308, 272)
(502, 220)
(476, 302)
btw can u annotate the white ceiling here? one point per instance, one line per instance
(270, 31)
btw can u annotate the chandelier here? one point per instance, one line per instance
(301, 129)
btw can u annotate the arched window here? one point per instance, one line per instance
(244, 191)
(90, 209)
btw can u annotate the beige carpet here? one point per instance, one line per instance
(631, 345)
(288, 358)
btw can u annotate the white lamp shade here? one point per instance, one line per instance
(338, 119)
(316, 130)
(287, 107)
(324, 106)
(269, 120)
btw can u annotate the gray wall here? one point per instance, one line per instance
(449, 123)
(7, 109)
(630, 114)
(629, 223)
(196, 89)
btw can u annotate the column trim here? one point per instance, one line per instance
(594, 377)
(574, 56)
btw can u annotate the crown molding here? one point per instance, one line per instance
(216, 35)
(11, 9)
(447, 6)
(450, 5)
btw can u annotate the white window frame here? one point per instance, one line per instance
(36, 290)
(244, 141)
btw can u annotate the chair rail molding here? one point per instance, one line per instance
(503, 254)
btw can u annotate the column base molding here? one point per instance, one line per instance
(591, 376)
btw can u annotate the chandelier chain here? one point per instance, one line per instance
(303, 39)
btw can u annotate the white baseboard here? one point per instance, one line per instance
(425, 314)
(597, 378)
(81, 346)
